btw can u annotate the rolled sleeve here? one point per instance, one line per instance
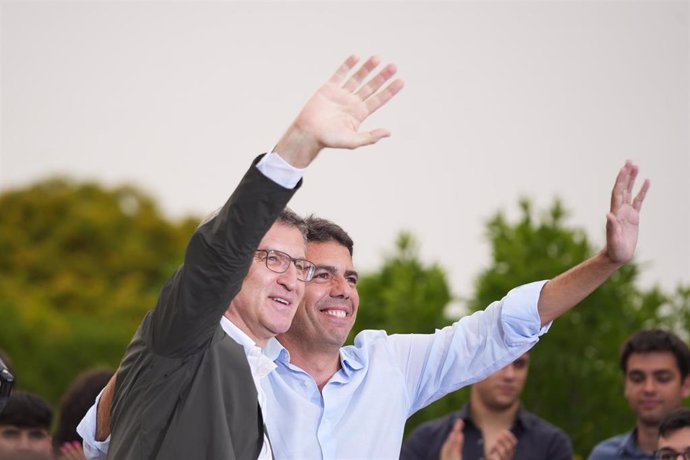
(520, 314)
(93, 450)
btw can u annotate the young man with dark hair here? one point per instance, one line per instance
(493, 425)
(655, 365)
(24, 426)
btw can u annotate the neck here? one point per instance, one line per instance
(490, 419)
(237, 322)
(647, 437)
(320, 364)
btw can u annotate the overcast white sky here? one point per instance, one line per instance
(509, 99)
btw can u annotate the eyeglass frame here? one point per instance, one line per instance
(311, 267)
(668, 450)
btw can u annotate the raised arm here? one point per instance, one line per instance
(333, 115)
(622, 223)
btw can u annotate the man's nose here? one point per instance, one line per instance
(341, 288)
(24, 442)
(649, 385)
(288, 278)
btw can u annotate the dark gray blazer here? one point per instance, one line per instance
(184, 389)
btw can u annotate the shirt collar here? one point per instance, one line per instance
(236, 334)
(259, 364)
(349, 359)
(521, 419)
(629, 445)
(276, 351)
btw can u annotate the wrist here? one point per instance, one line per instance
(605, 259)
(297, 147)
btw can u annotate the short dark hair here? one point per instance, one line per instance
(677, 419)
(76, 401)
(322, 230)
(657, 340)
(26, 410)
(290, 218)
(287, 217)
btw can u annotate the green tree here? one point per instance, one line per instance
(404, 296)
(79, 267)
(574, 380)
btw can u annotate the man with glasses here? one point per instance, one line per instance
(189, 382)
(674, 436)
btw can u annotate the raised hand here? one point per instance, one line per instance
(452, 446)
(333, 115)
(623, 219)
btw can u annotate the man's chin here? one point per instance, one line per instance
(650, 419)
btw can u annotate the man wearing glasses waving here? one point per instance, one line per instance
(188, 385)
(674, 436)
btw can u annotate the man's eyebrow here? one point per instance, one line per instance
(332, 269)
(328, 268)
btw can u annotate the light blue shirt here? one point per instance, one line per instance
(383, 379)
(362, 410)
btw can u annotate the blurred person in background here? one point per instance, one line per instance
(73, 405)
(655, 365)
(24, 427)
(493, 425)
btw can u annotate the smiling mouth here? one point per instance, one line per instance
(280, 300)
(336, 313)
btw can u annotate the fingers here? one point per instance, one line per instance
(343, 70)
(379, 100)
(72, 451)
(375, 83)
(637, 202)
(366, 91)
(623, 188)
(452, 446)
(358, 77)
(619, 187)
(504, 447)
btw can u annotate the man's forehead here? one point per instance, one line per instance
(329, 253)
(284, 238)
(652, 361)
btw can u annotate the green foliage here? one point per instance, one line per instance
(404, 296)
(574, 380)
(79, 267)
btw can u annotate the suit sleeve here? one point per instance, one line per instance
(216, 261)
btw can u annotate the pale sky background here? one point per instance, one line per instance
(502, 100)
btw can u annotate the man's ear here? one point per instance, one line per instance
(685, 390)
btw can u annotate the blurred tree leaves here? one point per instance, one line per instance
(404, 295)
(79, 266)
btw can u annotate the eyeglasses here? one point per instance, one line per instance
(670, 454)
(279, 262)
